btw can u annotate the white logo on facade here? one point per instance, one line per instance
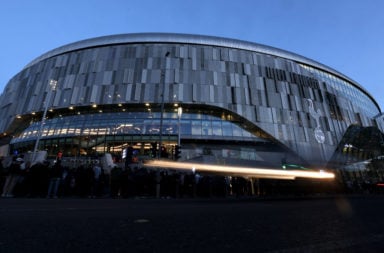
(319, 134)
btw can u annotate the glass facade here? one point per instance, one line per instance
(139, 126)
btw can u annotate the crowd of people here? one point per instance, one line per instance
(55, 179)
(52, 179)
(90, 180)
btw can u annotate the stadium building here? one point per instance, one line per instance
(225, 101)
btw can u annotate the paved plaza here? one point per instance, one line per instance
(320, 224)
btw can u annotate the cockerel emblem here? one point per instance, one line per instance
(319, 134)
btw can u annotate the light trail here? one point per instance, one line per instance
(242, 171)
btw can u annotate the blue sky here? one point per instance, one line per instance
(346, 35)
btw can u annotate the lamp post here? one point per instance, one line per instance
(52, 84)
(179, 113)
(162, 79)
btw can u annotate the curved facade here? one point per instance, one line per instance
(242, 103)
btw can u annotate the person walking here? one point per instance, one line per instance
(13, 177)
(95, 190)
(55, 176)
(3, 173)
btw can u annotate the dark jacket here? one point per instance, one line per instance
(56, 171)
(15, 168)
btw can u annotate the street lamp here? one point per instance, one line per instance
(52, 84)
(179, 113)
(162, 79)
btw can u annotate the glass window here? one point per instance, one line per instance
(227, 128)
(206, 127)
(246, 133)
(216, 128)
(237, 131)
(186, 128)
(196, 127)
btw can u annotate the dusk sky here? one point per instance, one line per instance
(346, 35)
